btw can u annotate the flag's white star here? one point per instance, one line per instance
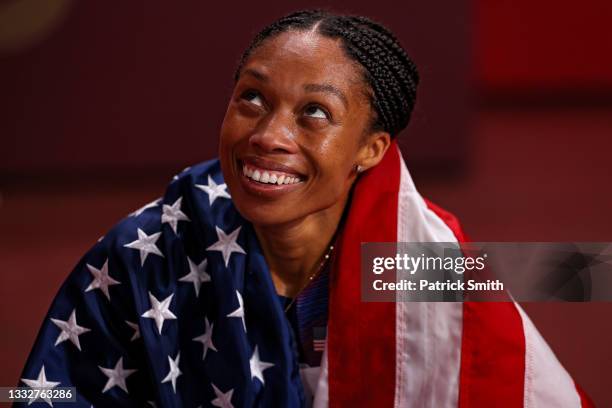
(223, 400)
(70, 330)
(159, 311)
(146, 245)
(136, 328)
(240, 311)
(152, 403)
(145, 207)
(214, 190)
(101, 279)
(116, 376)
(226, 244)
(174, 372)
(40, 382)
(206, 338)
(258, 366)
(172, 214)
(197, 274)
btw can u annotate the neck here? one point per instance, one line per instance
(294, 251)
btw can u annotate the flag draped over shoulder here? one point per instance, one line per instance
(175, 307)
(427, 354)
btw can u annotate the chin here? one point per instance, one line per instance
(265, 215)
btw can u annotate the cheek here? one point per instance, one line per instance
(233, 132)
(230, 129)
(335, 172)
(229, 138)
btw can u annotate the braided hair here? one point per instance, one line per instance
(390, 74)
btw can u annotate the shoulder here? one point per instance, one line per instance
(160, 240)
(164, 228)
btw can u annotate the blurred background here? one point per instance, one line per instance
(102, 103)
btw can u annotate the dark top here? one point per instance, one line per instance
(308, 319)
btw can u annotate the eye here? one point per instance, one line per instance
(253, 97)
(315, 111)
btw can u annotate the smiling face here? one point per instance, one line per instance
(294, 129)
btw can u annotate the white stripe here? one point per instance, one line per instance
(428, 335)
(321, 398)
(428, 343)
(547, 384)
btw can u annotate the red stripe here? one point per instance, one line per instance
(492, 369)
(492, 356)
(361, 337)
(585, 401)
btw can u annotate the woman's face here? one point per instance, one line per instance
(293, 130)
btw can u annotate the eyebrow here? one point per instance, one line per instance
(256, 74)
(327, 88)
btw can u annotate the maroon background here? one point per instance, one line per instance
(512, 133)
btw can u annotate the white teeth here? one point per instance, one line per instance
(267, 177)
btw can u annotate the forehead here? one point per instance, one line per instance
(306, 55)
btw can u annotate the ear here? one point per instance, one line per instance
(373, 149)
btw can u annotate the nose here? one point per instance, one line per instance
(275, 135)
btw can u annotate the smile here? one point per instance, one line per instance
(269, 176)
(268, 179)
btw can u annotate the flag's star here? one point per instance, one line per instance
(226, 244)
(101, 279)
(214, 190)
(258, 366)
(159, 311)
(152, 403)
(240, 311)
(206, 338)
(224, 399)
(146, 245)
(116, 376)
(70, 330)
(172, 214)
(197, 274)
(145, 207)
(40, 382)
(136, 328)
(174, 372)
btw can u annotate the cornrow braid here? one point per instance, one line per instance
(390, 74)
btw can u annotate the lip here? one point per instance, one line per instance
(270, 191)
(256, 161)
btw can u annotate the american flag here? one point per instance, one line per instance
(409, 354)
(173, 307)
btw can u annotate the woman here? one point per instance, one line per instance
(252, 299)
